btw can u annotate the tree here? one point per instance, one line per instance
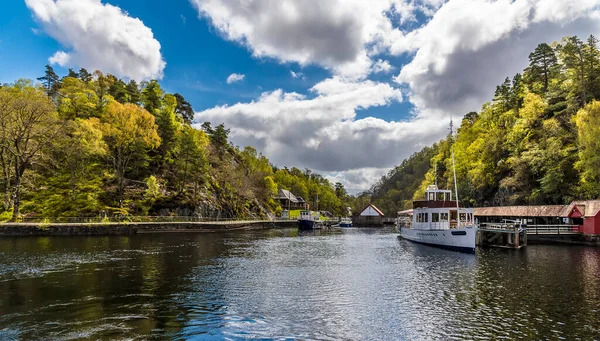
(117, 89)
(184, 109)
(51, 81)
(190, 160)
(72, 73)
(340, 191)
(588, 131)
(541, 62)
(128, 131)
(152, 96)
(592, 57)
(28, 124)
(219, 137)
(572, 54)
(169, 128)
(77, 99)
(133, 92)
(85, 76)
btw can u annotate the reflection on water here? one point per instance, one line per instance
(360, 284)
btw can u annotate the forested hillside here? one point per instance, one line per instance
(90, 144)
(536, 142)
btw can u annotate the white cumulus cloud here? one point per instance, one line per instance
(100, 36)
(470, 46)
(60, 57)
(321, 131)
(235, 77)
(339, 35)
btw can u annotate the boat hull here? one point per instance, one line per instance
(345, 225)
(460, 239)
(306, 225)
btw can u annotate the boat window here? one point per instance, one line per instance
(444, 217)
(431, 196)
(463, 217)
(425, 217)
(435, 217)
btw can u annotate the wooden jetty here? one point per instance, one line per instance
(511, 235)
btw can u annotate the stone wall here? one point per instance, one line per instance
(86, 229)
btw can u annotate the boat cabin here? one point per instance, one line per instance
(438, 211)
(309, 215)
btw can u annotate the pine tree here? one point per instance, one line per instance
(51, 82)
(72, 73)
(592, 57)
(541, 62)
(84, 75)
(573, 58)
(133, 92)
(184, 109)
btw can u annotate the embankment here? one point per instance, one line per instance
(129, 228)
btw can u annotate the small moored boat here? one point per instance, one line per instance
(309, 221)
(345, 222)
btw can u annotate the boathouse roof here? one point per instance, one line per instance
(588, 208)
(523, 211)
(371, 210)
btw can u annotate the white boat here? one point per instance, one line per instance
(345, 222)
(439, 221)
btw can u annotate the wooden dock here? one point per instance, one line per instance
(509, 235)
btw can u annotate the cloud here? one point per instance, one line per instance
(339, 35)
(382, 66)
(100, 36)
(453, 54)
(297, 74)
(60, 57)
(183, 18)
(470, 46)
(321, 131)
(357, 180)
(235, 77)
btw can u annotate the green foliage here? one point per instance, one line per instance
(588, 130)
(536, 143)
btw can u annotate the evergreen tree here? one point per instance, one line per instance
(85, 76)
(592, 57)
(51, 81)
(72, 73)
(152, 96)
(572, 54)
(133, 92)
(184, 109)
(541, 62)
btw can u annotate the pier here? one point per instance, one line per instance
(509, 235)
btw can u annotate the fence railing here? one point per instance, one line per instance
(553, 229)
(143, 219)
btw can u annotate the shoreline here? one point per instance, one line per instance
(131, 228)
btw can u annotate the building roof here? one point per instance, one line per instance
(286, 195)
(523, 211)
(588, 208)
(374, 208)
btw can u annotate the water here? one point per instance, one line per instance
(356, 284)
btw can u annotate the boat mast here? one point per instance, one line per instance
(454, 171)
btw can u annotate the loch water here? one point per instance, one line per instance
(350, 284)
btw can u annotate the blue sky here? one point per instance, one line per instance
(198, 59)
(375, 80)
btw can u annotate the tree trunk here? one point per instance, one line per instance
(17, 194)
